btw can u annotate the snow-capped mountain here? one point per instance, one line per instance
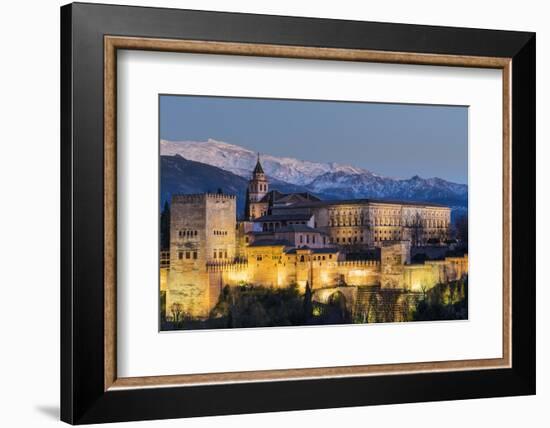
(241, 161)
(367, 185)
(327, 180)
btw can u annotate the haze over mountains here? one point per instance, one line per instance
(193, 166)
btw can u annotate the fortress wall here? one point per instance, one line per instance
(241, 237)
(361, 272)
(189, 290)
(265, 271)
(231, 274)
(163, 279)
(423, 277)
(420, 277)
(393, 257)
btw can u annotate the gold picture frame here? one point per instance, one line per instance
(114, 43)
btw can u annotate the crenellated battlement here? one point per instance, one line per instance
(199, 197)
(226, 266)
(359, 263)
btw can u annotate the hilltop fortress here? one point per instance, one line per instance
(334, 246)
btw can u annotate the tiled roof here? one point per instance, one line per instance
(276, 197)
(297, 228)
(258, 168)
(271, 243)
(326, 250)
(315, 204)
(282, 217)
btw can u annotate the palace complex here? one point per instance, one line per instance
(297, 238)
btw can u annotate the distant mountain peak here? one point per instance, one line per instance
(241, 161)
(330, 180)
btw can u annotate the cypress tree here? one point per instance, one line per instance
(165, 227)
(308, 303)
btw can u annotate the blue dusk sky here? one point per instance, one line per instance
(397, 140)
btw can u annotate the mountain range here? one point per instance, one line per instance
(200, 166)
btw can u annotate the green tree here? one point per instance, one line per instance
(308, 303)
(165, 227)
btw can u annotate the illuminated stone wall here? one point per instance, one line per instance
(202, 231)
(393, 257)
(422, 277)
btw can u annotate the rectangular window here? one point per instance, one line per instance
(215, 254)
(180, 255)
(187, 254)
(195, 255)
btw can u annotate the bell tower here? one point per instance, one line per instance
(258, 187)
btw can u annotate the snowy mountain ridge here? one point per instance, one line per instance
(332, 180)
(241, 161)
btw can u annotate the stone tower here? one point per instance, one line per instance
(202, 232)
(258, 187)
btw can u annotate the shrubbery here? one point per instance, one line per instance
(444, 302)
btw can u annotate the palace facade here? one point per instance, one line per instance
(298, 239)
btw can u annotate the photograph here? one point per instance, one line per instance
(286, 212)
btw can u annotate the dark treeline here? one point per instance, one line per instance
(443, 302)
(257, 306)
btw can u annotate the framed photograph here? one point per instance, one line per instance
(266, 213)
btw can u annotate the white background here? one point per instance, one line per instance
(142, 350)
(29, 165)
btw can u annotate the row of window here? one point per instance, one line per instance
(349, 222)
(301, 237)
(386, 222)
(385, 232)
(259, 188)
(386, 235)
(187, 233)
(316, 258)
(187, 255)
(384, 238)
(220, 232)
(348, 240)
(390, 212)
(259, 258)
(220, 254)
